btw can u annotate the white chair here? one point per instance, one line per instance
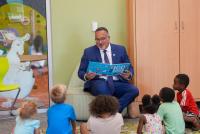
(77, 97)
(80, 99)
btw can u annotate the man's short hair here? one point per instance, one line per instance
(101, 29)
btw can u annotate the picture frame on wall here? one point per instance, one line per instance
(25, 53)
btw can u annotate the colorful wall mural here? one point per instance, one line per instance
(23, 41)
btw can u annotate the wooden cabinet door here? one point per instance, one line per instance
(157, 44)
(190, 43)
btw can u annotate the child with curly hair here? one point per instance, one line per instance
(25, 122)
(104, 118)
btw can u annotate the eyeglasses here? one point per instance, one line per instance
(100, 39)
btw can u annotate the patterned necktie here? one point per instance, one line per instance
(109, 78)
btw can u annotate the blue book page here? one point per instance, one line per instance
(107, 69)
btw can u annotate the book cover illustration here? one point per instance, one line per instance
(107, 69)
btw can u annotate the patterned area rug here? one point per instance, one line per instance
(130, 127)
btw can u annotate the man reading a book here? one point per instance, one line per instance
(106, 52)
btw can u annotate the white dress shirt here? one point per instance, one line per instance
(109, 54)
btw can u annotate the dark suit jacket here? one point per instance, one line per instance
(119, 55)
(3, 2)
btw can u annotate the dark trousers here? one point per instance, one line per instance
(124, 91)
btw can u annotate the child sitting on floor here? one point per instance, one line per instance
(150, 119)
(25, 122)
(61, 116)
(170, 112)
(104, 118)
(186, 101)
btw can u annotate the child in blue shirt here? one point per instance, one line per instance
(61, 116)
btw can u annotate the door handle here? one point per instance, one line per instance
(175, 25)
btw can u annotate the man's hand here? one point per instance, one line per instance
(90, 75)
(126, 75)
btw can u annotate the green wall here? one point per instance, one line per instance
(72, 32)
